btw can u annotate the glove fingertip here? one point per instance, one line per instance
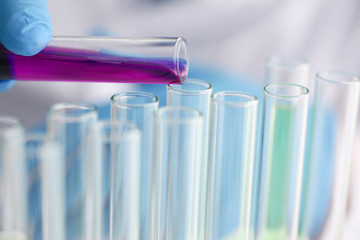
(6, 85)
(37, 37)
(29, 40)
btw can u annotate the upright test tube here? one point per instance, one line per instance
(196, 94)
(101, 59)
(287, 69)
(333, 124)
(40, 153)
(70, 124)
(279, 69)
(176, 175)
(13, 190)
(232, 152)
(139, 108)
(284, 134)
(119, 150)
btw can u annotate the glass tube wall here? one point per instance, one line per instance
(13, 190)
(176, 173)
(333, 123)
(284, 134)
(232, 150)
(70, 124)
(139, 108)
(196, 94)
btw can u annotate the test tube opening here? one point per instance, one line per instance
(287, 69)
(10, 128)
(285, 90)
(134, 99)
(234, 98)
(191, 87)
(182, 59)
(286, 62)
(339, 77)
(72, 111)
(8, 123)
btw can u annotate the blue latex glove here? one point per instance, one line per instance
(25, 28)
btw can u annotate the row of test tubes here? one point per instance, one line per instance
(214, 166)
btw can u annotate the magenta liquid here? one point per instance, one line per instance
(64, 64)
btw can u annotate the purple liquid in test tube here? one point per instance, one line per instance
(97, 59)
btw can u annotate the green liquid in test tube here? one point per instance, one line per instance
(286, 108)
(279, 171)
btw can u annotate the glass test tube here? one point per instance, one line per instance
(13, 190)
(33, 159)
(284, 133)
(333, 124)
(119, 150)
(196, 94)
(40, 153)
(232, 152)
(287, 69)
(139, 108)
(279, 69)
(176, 173)
(101, 59)
(70, 125)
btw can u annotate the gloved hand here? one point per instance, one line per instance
(25, 29)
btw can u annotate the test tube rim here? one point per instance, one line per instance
(320, 76)
(197, 118)
(175, 87)
(277, 61)
(134, 93)
(178, 45)
(252, 99)
(15, 126)
(93, 111)
(305, 90)
(9, 120)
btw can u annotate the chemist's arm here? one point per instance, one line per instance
(25, 28)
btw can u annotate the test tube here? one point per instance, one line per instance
(33, 159)
(232, 152)
(176, 174)
(101, 59)
(284, 134)
(333, 124)
(119, 150)
(70, 125)
(139, 108)
(40, 153)
(196, 94)
(13, 190)
(287, 69)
